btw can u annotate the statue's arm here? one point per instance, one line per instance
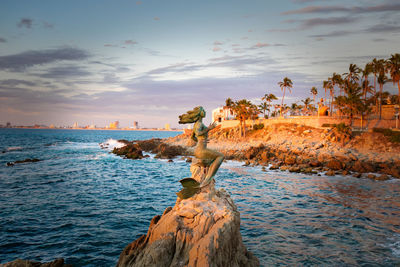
(203, 129)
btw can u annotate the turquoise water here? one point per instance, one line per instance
(84, 204)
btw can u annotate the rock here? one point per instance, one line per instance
(357, 175)
(189, 159)
(10, 164)
(290, 160)
(130, 151)
(170, 160)
(345, 172)
(28, 263)
(284, 168)
(382, 177)
(360, 166)
(371, 176)
(294, 169)
(263, 169)
(199, 231)
(274, 167)
(334, 165)
(330, 173)
(314, 163)
(166, 151)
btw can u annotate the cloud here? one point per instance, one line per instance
(315, 9)
(64, 72)
(216, 49)
(15, 82)
(260, 45)
(47, 25)
(19, 62)
(130, 42)
(110, 45)
(25, 22)
(332, 34)
(218, 43)
(314, 22)
(355, 9)
(379, 28)
(3, 40)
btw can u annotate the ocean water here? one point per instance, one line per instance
(84, 204)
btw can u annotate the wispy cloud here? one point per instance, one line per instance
(218, 43)
(25, 22)
(130, 42)
(16, 82)
(354, 9)
(2, 40)
(216, 49)
(379, 28)
(332, 34)
(19, 62)
(260, 45)
(65, 72)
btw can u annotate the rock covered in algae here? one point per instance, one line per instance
(199, 231)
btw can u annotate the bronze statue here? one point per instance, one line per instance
(206, 158)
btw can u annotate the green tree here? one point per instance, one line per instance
(393, 67)
(268, 98)
(349, 103)
(352, 75)
(244, 110)
(307, 106)
(382, 79)
(314, 93)
(263, 107)
(285, 84)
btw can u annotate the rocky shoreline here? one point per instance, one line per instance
(291, 147)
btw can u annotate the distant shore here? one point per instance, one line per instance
(121, 129)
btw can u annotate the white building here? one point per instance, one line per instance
(222, 114)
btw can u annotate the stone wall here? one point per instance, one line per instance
(313, 121)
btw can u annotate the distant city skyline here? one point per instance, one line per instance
(95, 62)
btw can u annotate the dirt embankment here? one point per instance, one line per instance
(305, 149)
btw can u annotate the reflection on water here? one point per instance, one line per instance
(316, 220)
(84, 204)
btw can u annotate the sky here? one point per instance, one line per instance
(98, 61)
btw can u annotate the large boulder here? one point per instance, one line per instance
(199, 231)
(28, 263)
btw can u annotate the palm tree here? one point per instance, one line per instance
(393, 67)
(325, 86)
(285, 84)
(228, 102)
(377, 67)
(382, 79)
(244, 110)
(268, 98)
(367, 88)
(306, 103)
(349, 102)
(336, 79)
(352, 75)
(365, 73)
(263, 107)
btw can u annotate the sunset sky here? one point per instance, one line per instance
(97, 61)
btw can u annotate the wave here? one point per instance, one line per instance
(14, 148)
(110, 144)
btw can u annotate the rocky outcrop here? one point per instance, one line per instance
(28, 263)
(199, 231)
(10, 164)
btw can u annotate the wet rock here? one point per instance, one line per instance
(294, 169)
(334, 165)
(330, 173)
(290, 160)
(263, 169)
(189, 159)
(200, 231)
(357, 175)
(274, 167)
(345, 172)
(28, 263)
(165, 151)
(382, 177)
(284, 168)
(371, 176)
(130, 151)
(170, 160)
(10, 164)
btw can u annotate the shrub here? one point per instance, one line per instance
(258, 126)
(394, 136)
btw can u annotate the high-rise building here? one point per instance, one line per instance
(75, 125)
(135, 125)
(114, 125)
(167, 127)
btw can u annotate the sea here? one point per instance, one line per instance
(84, 204)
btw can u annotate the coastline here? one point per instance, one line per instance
(298, 148)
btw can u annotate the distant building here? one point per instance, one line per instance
(135, 125)
(114, 125)
(75, 125)
(92, 126)
(222, 114)
(8, 125)
(167, 127)
(52, 126)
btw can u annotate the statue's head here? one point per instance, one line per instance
(192, 115)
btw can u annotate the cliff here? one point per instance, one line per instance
(200, 231)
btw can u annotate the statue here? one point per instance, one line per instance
(206, 162)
